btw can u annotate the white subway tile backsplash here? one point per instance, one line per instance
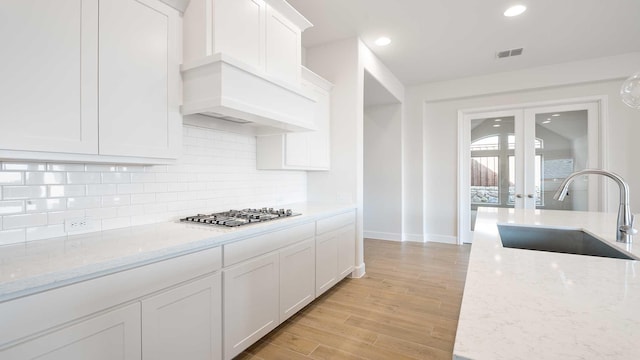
(11, 166)
(130, 188)
(116, 178)
(45, 232)
(58, 217)
(116, 223)
(66, 190)
(130, 168)
(100, 168)
(65, 167)
(143, 177)
(116, 200)
(11, 178)
(102, 213)
(44, 178)
(166, 177)
(142, 198)
(155, 187)
(177, 187)
(166, 197)
(102, 189)
(86, 202)
(83, 178)
(11, 207)
(23, 192)
(16, 236)
(46, 205)
(24, 220)
(215, 172)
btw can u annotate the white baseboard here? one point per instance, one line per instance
(446, 239)
(358, 271)
(382, 235)
(413, 237)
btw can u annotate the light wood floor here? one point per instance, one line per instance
(405, 307)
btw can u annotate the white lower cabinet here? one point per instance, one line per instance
(297, 277)
(114, 335)
(250, 302)
(326, 262)
(335, 250)
(346, 250)
(184, 322)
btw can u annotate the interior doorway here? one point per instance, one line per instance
(516, 157)
(382, 171)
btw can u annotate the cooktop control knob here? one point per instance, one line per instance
(289, 212)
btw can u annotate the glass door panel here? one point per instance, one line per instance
(561, 147)
(492, 179)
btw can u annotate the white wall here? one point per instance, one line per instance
(216, 171)
(430, 131)
(382, 172)
(343, 63)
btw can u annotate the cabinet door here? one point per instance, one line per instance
(139, 79)
(319, 141)
(297, 149)
(48, 67)
(250, 302)
(185, 322)
(346, 250)
(326, 262)
(283, 47)
(110, 336)
(297, 277)
(239, 30)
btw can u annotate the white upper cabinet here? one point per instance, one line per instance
(263, 34)
(48, 67)
(82, 78)
(242, 64)
(283, 47)
(139, 79)
(244, 20)
(302, 150)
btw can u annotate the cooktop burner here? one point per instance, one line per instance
(234, 218)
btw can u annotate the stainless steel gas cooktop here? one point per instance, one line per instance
(234, 218)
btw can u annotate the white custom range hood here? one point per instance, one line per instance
(225, 88)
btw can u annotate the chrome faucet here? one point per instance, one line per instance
(625, 230)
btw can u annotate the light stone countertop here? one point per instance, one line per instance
(37, 266)
(526, 304)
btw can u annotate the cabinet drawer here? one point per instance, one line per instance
(258, 245)
(45, 310)
(114, 335)
(335, 222)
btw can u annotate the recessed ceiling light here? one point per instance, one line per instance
(555, 115)
(496, 125)
(496, 120)
(546, 121)
(383, 41)
(515, 10)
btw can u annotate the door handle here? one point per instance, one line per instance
(530, 196)
(519, 196)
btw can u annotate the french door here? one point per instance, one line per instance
(517, 157)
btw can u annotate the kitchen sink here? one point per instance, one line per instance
(557, 240)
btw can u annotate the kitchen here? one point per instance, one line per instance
(214, 166)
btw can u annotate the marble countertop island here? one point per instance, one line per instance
(36, 266)
(527, 304)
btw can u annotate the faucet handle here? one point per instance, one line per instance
(628, 229)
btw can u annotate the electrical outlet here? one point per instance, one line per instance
(78, 224)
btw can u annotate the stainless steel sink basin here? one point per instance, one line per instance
(556, 240)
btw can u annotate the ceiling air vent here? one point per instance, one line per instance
(508, 53)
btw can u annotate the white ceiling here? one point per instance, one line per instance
(445, 39)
